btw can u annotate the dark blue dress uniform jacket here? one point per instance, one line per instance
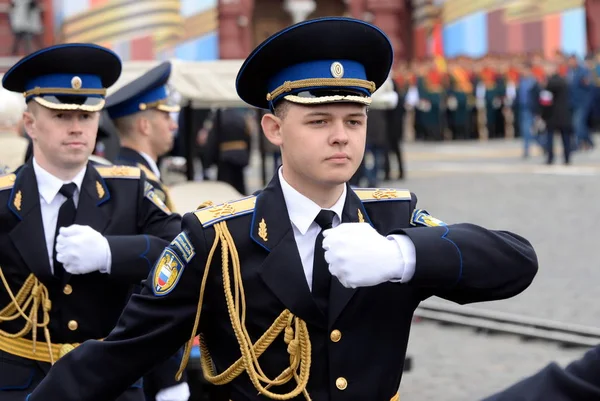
(462, 262)
(114, 204)
(579, 381)
(164, 374)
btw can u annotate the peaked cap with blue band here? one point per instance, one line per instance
(72, 76)
(324, 60)
(146, 92)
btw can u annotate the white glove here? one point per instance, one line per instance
(178, 392)
(82, 250)
(361, 257)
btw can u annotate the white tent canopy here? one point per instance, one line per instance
(212, 83)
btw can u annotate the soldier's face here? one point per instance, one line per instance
(163, 126)
(322, 145)
(63, 138)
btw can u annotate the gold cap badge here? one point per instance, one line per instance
(76, 82)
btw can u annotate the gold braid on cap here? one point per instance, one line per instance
(161, 105)
(288, 86)
(63, 91)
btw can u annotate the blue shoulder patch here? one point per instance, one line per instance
(184, 245)
(167, 272)
(151, 195)
(420, 217)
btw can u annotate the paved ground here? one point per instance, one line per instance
(457, 364)
(555, 207)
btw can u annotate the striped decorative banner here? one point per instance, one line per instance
(142, 29)
(479, 27)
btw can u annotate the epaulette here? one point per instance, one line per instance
(7, 181)
(127, 172)
(149, 173)
(213, 214)
(382, 194)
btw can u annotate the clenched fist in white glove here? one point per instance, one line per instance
(178, 392)
(361, 257)
(82, 250)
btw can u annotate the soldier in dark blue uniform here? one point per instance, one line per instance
(284, 303)
(579, 381)
(74, 237)
(141, 112)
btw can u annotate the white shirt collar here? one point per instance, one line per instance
(303, 211)
(49, 185)
(152, 164)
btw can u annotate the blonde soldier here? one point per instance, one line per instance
(74, 237)
(141, 113)
(287, 306)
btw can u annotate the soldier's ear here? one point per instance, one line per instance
(271, 126)
(144, 125)
(29, 123)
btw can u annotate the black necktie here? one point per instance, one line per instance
(66, 217)
(321, 275)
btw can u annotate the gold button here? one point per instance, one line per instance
(335, 336)
(73, 325)
(341, 383)
(68, 290)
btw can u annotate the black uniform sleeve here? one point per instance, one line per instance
(133, 255)
(163, 375)
(467, 263)
(151, 329)
(579, 381)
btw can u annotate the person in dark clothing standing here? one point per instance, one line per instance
(395, 131)
(228, 145)
(556, 112)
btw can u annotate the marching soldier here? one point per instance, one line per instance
(432, 98)
(141, 112)
(74, 237)
(493, 99)
(459, 101)
(286, 306)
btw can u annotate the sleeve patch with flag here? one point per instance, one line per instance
(420, 217)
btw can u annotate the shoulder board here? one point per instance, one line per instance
(214, 214)
(119, 172)
(382, 194)
(7, 181)
(149, 173)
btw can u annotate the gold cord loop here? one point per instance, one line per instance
(295, 332)
(32, 296)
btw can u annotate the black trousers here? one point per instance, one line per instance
(565, 134)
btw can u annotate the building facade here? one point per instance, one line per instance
(230, 29)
